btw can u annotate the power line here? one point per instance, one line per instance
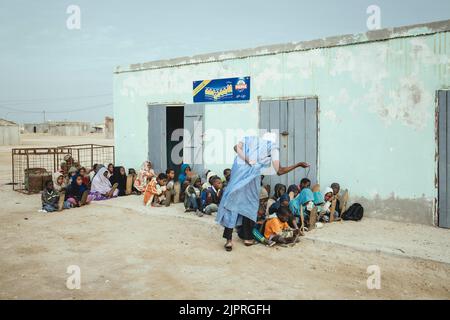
(15, 110)
(26, 101)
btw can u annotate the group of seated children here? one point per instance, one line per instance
(75, 186)
(291, 211)
(198, 197)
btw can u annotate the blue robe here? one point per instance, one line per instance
(305, 196)
(241, 196)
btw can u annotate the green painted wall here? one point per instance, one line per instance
(377, 112)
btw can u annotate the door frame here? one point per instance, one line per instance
(437, 207)
(166, 105)
(263, 98)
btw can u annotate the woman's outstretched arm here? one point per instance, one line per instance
(284, 170)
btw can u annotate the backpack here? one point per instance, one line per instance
(354, 213)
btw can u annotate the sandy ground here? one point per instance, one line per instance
(127, 251)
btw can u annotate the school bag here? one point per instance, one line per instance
(354, 213)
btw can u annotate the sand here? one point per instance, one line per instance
(127, 251)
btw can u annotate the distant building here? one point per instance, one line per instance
(109, 128)
(59, 128)
(98, 128)
(9, 133)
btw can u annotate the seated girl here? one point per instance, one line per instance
(101, 188)
(192, 199)
(77, 192)
(277, 229)
(258, 229)
(184, 178)
(59, 183)
(304, 203)
(154, 193)
(84, 174)
(52, 200)
(279, 190)
(293, 191)
(119, 176)
(145, 175)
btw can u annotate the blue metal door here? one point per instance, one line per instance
(296, 121)
(444, 161)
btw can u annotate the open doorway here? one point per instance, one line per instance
(174, 121)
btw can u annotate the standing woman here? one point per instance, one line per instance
(239, 204)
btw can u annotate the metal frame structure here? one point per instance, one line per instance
(48, 159)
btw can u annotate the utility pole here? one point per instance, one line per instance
(44, 115)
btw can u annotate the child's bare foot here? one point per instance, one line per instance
(229, 246)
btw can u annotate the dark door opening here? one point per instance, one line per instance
(174, 121)
(34, 129)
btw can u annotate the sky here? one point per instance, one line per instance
(68, 73)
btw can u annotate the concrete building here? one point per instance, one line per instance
(366, 110)
(59, 128)
(9, 133)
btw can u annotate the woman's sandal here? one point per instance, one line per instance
(249, 243)
(228, 246)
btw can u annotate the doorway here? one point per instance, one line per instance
(174, 121)
(296, 120)
(187, 147)
(444, 159)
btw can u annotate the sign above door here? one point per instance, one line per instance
(221, 90)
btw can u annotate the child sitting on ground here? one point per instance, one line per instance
(258, 229)
(83, 173)
(77, 192)
(278, 230)
(170, 187)
(155, 190)
(59, 183)
(227, 176)
(211, 196)
(52, 200)
(192, 200)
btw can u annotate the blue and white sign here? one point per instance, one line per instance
(222, 90)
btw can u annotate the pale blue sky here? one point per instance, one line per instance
(45, 66)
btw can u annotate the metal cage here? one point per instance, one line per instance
(32, 167)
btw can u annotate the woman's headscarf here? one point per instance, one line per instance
(56, 186)
(277, 189)
(182, 175)
(194, 179)
(277, 205)
(318, 198)
(74, 189)
(305, 196)
(293, 188)
(100, 183)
